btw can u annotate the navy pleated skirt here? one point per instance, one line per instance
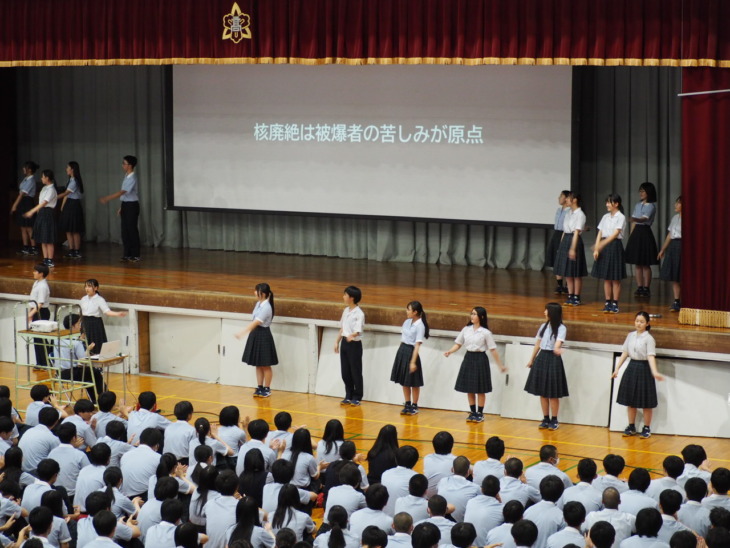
(567, 267)
(610, 264)
(641, 248)
(547, 376)
(72, 217)
(260, 350)
(475, 376)
(638, 386)
(401, 372)
(44, 228)
(552, 248)
(671, 270)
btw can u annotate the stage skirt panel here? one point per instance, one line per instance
(567, 267)
(638, 386)
(547, 376)
(401, 372)
(260, 350)
(475, 376)
(641, 248)
(610, 264)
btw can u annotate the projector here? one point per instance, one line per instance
(44, 326)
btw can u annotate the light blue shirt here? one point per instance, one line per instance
(548, 518)
(413, 332)
(644, 210)
(129, 185)
(73, 186)
(560, 217)
(28, 186)
(547, 342)
(485, 513)
(484, 468)
(263, 313)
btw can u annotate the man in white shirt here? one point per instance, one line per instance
(105, 525)
(69, 458)
(41, 524)
(37, 442)
(613, 465)
(692, 513)
(485, 511)
(376, 498)
(415, 502)
(140, 464)
(601, 535)
(462, 535)
(438, 465)
(574, 515)
(396, 479)
(180, 433)
(513, 485)
(151, 512)
(457, 490)
(670, 502)
(346, 494)
(545, 514)
(673, 468)
(257, 430)
(623, 523)
(107, 401)
(83, 411)
(97, 502)
(493, 465)
(583, 491)
(146, 417)
(635, 499)
(437, 513)
(696, 464)
(548, 466)
(524, 533)
(403, 526)
(425, 535)
(648, 524)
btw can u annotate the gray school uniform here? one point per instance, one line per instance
(501, 534)
(161, 535)
(485, 513)
(352, 541)
(661, 484)
(345, 496)
(284, 435)
(218, 449)
(435, 468)
(33, 493)
(91, 478)
(183, 487)
(71, 461)
(632, 501)
(716, 501)
(196, 516)
(397, 540)
(121, 505)
(669, 526)
(417, 507)
(691, 471)
(5, 445)
(367, 516)
(177, 439)
(535, 474)
(31, 414)
(458, 490)
(624, 524)
(86, 533)
(601, 483)
(36, 444)
(148, 516)
(695, 516)
(270, 499)
(396, 480)
(119, 448)
(8, 508)
(59, 533)
(484, 468)
(299, 522)
(334, 453)
(83, 430)
(103, 418)
(260, 537)
(139, 420)
(232, 436)
(304, 470)
(569, 535)
(584, 493)
(102, 542)
(548, 518)
(513, 489)
(138, 465)
(643, 542)
(444, 525)
(220, 514)
(268, 453)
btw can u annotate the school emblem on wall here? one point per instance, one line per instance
(236, 25)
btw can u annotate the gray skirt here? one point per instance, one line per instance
(610, 264)
(638, 387)
(671, 270)
(401, 372)
(475, 376)
(547, 376)
(260, 350)
(567, 267)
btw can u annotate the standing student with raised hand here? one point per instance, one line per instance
(44, 227)
(555, 238)
(72, 214)
(547, 374)
(260, 350)
(407, 370)
(671, 253)
(608, 253)
(475, 378)
(570, 261)
(641, 248)
(349, 346)
(93, 306)
(638, 385)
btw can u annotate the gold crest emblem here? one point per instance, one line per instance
(236, 25)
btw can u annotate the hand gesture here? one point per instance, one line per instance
(615, 374)
(658, 376)
(8, 524)
(660, 255)
(337, 347)
(529, 364)
(413, 368)
(447, 354)
(572, 254)
(503, 368)
(77, 442)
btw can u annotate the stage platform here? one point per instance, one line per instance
(311, 287)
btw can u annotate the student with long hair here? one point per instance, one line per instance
(44, 227)
(641, 248)
(328, 448)
(381, 456)
(287, 514)
(24, 203)
(205, 491)
(72, 214)
(253, 478)
(120, 504)
(570, 261)
(638, 384)
(671, 253)
(260, 350)
(608, 253)
(338, 536)
(248, 526)
(306, 468)
(547, 374)
(475, 378)
(206, 435)
(407, 370)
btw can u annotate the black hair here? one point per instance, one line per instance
(639, 479)
(166, 488)
(171, 510)
(77, 175)
(425, 535)
(40, 521)
(461, 466)
(151, 437)
(229, 416)
(104, 523)
(463, 534)
(285, 538)
(11, 488)
(258, 429)
(513, 467)
(226, 483)
(5, 390)
(6, 425)
(613, 464)
(616, 200)
(31, 166)
(513, 511)
(694, 454)
(555, 319)
(720, 517)
(611, 498)
(670, 501)
(696, 489)
(646, 316)
(373, 536)
(337, 518)
(54, 502)
(551, 488)
(574, 513)
(83, 406)
(131, 160)
(482, 315)
(253, 478)
(524, 532)
(47, 468)
(602, 534)
(202, 429)
(494, 448)
(682, 539)
(42, 269)
(66, 432)
(406, 456)
(186, 535)
(301, 442)
(96, 502)
(386, 442)
(376, 497)
(39, 392)
(348, 450)
(333, 432)
(548, 452)
(107, 400)
(443, 443)
(587, 470)
(147, 400)
(205, 481)
(94, 284)
(112, 477)
(354, 292)
(490, 486)
(437, 505)
(264, 289)
(13, 467)
(282, 420)
(117, 430)
(33, 542)
(720, 480)
(282, 471)
(202, 454)
(650, 190)
(68, 322)
(577, 197)
(674, 466)
(417, 307)
(417, 485)
(100, 454)
(648, 522)
(48, 174)
(402, 522)
(48, 416)
(288, 502)
(166, 466)
(350, 474)
(183, 410)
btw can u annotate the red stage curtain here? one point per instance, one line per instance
(578, 32)
(706, 191)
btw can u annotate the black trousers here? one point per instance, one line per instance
(41, 358)
(82, 374)
(351, 368)
(130, 229)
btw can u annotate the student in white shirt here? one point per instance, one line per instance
(574, 515)
(59, 535)
(415, 502)
(548, 466)
(622, 523)
(456, 489)
(38, 309)
(514, 486)
(437, 507)
(692, 513)
(613, 465)
(205, 491)
(230, 430)
(205, 434)
(180, 433)
(99, 502)
(438, 465)
(116, 439)
(696, 464)
(635, 498)
(608, 252)
(107, 402)
(105, 527)
(403, 526)
(670, 501)
(187, 536)
(648, 524)
(349, 346)
(396, 479)
(287, 515)
(463, 535)
(145, 417)
(247, 526)
(39, 441)
(583, 491)
(139, 464)
(673, 468)
(83, 410)
(720, 485)
(121, 506)
(502, 534)
(546, 514)
(93, 307)
(70, 459)
(41, 396)
(40, 520)
(162, 535)
(220, 512)
(346, 494)
(328, 448)
(425, 535)
(407, 369)
(339, 533)
(257, 431)
(718, 537)
(282, 473)
(601, 535)
(282, 435)
(485, 510)
(492, 466)
(306, 468)
(168, 466)
(149, 514)
(376, 498)
(91, 478)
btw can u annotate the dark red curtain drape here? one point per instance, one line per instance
(706, 190)
(578, 32)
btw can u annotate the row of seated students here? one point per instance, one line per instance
(134, 478)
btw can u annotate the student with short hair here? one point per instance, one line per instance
(622, 522)
(116, 438)
(283, 422)
(514, 486)
(230, 432)
(403, 526)
(524, 533)
(220, 512)
(162, 535)
(720, 483)
(41, 396)
(574, 514)
(456, 489)
(107, 402)
(425, 535)
(613, 465)
(348, 454)
(601, 535)
(145, 417)
(692, 513)
(415, 502)
(512, 513)
(485, 510)
(70, 459)
(97, 502)
(670, 501)
(683, 539)
(376, 499)
(546, 514)
(583, 491)
(258, 429)
(59, 536)
(718, 537)
(463, 535)
(105, 526)
(47, 474)
(39, 441)
(180, 433)
(150, 513)
(648, 524)
(83, 411)
(437, 507)
(346, 494)
(129, 209)
(91, 478)
(374, 537)
(139, 464)
(673, 468)
(492, 466)
(635, 498)
(695, 464)
(40, 520)
(438, 465)
(349, 346)
(549, 459)
(396, 479)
